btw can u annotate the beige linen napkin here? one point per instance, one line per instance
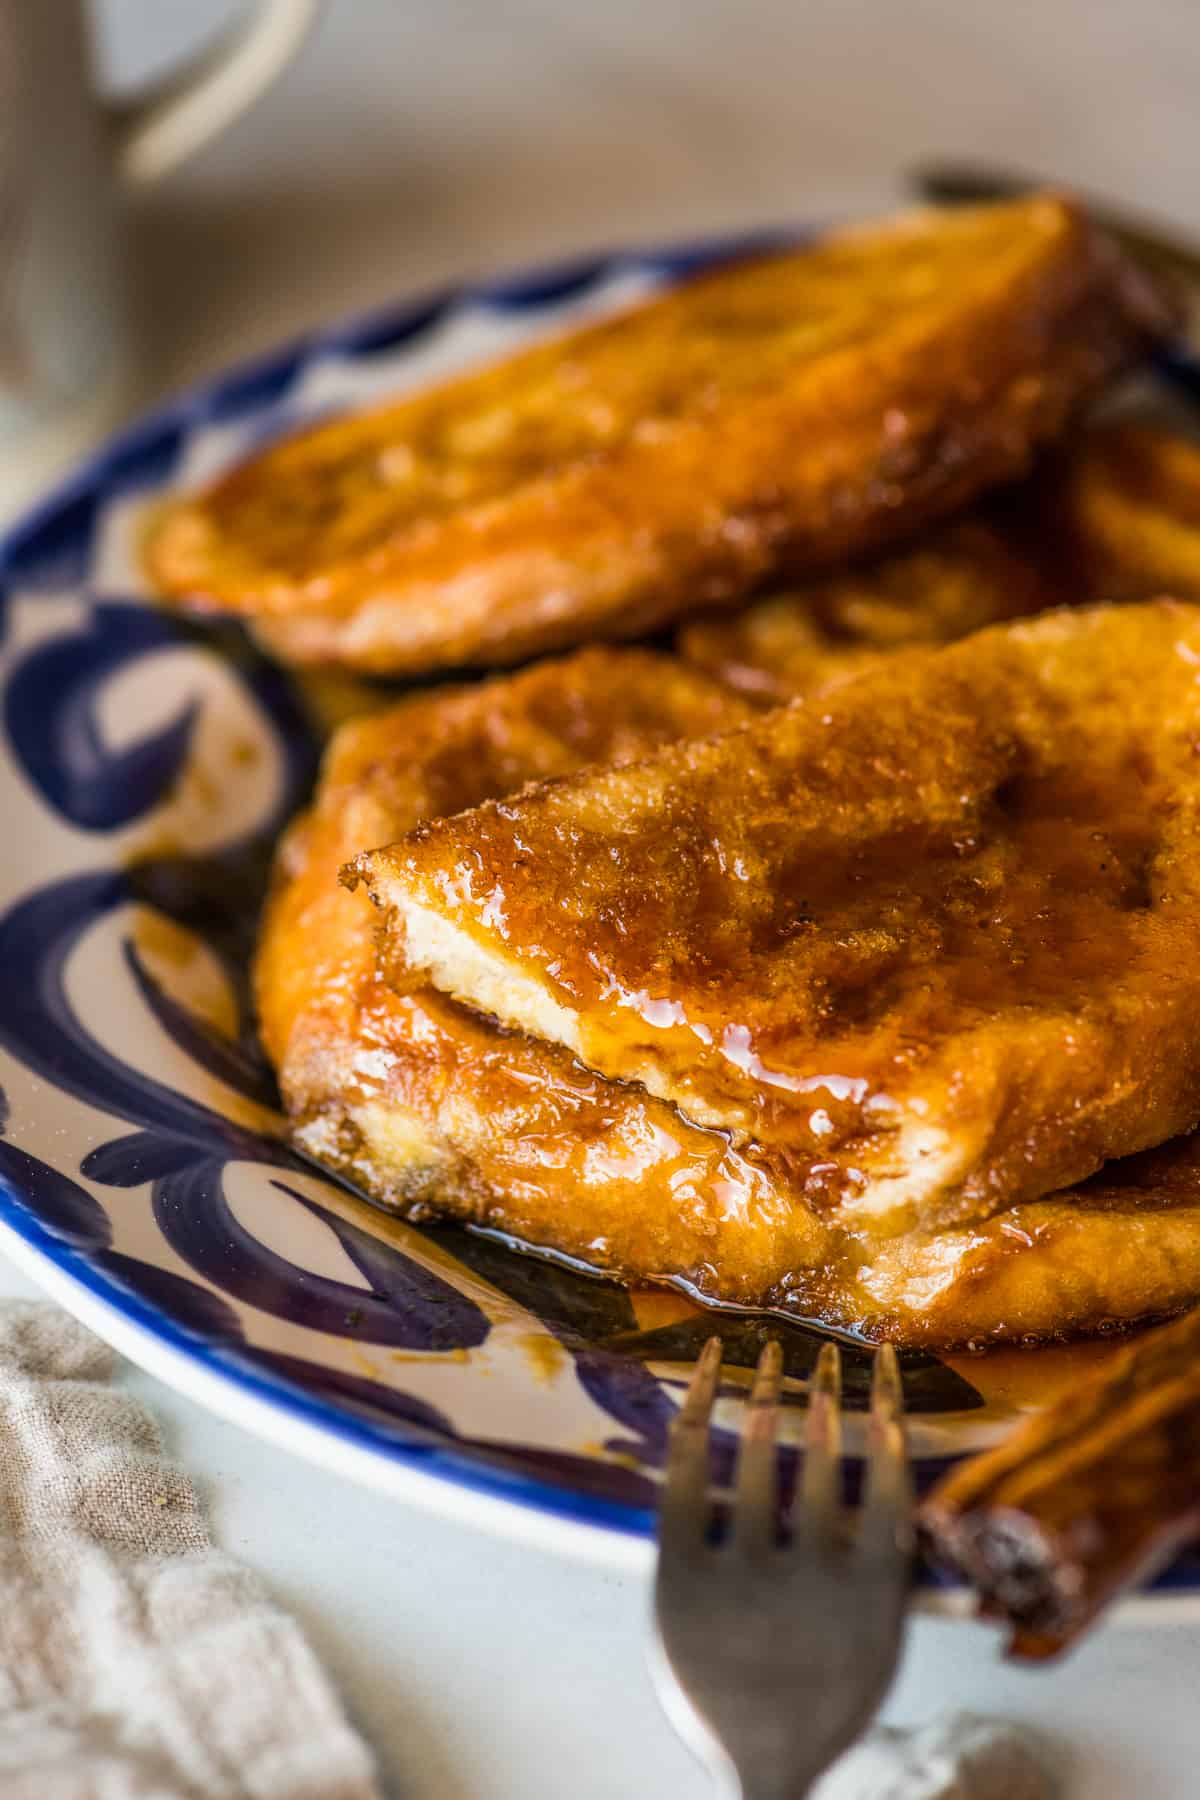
(136, 1661)
(139, 1663)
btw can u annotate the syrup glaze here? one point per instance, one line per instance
(434, 1110)
(933, 941)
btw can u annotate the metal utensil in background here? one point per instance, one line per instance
(1159, 248)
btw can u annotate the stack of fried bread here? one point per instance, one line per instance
(834, 959)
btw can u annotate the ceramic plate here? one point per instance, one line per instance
(146, 768)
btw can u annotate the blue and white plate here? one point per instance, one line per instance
(146, 768)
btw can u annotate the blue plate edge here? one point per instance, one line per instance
(1177, 365)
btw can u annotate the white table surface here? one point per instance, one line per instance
(421, 138)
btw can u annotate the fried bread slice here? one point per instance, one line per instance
(794, 409)
(932, 939)
(1119, 1248)
(1123, 506)
(434, 1110)
(431, 1109)
(437, 753)
(410, 1095)
(1115, 514)
(960, 578)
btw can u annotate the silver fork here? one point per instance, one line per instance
(770, 1658)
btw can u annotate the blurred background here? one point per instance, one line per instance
(417, 139)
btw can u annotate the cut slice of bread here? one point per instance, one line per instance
(932, 938)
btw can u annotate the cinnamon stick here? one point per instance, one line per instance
(1082, 1500)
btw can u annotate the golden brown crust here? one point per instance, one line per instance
(1122, 511)
(957, 579)
(794, 410)
(436, 753)
(934, 939)
(432, 1109)
(427, 1106)
(1115, 515)
(1083, 1499)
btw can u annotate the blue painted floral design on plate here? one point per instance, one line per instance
(146, 768)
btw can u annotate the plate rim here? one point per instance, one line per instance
(399, 319)
(442, 1494)
(281, 1418)
(519, 1507)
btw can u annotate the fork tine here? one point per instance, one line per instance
(684, 1511)
(887, 1503)
(820, 1493)
(770, 1665)
(754, 1516)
